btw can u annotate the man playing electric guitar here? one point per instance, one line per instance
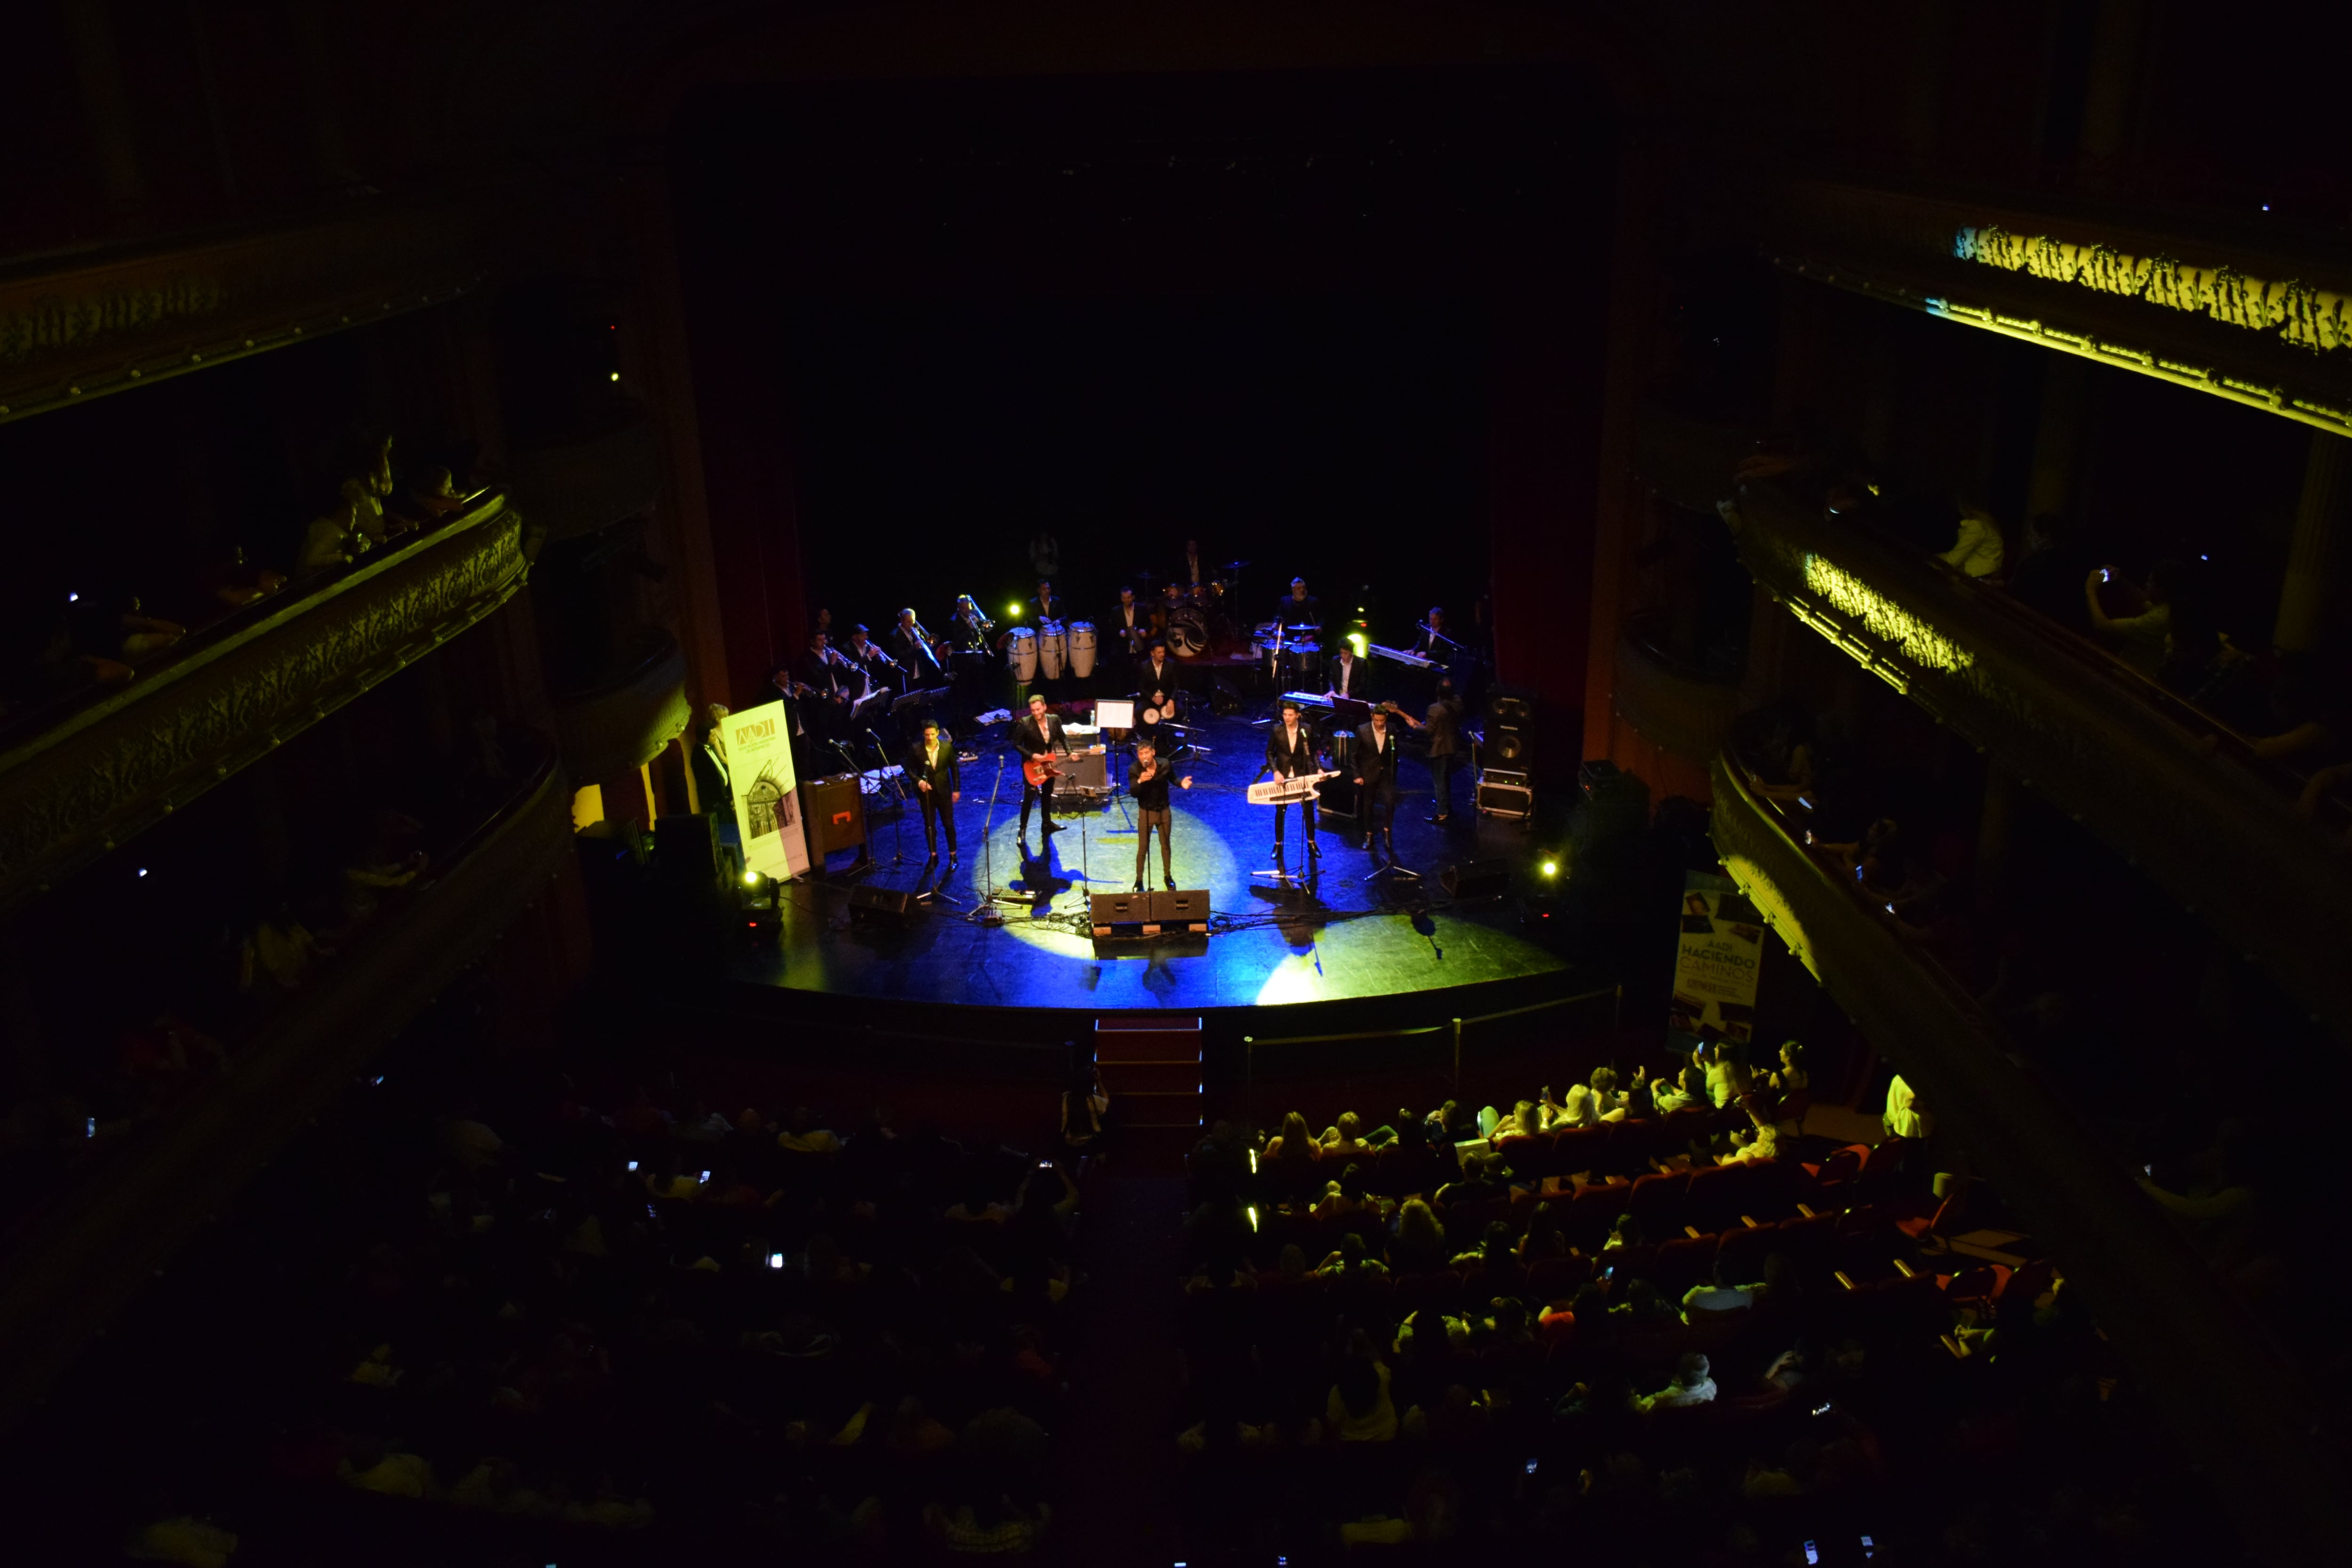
(1035, 738)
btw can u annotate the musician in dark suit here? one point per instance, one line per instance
(714, 785)
(835, 682)
(1376, 784)
(1033, 737)
(1046, 606)
(867, 655)
(930, 764)
(1347, 672)
(1430, 640)
(1157, 672)
(911, 649)
(1290, 753)
(1148, 784)
(1129, 630)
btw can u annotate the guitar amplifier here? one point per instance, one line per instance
(1084, 771)
(1507, 793)
(835, 805)
(1186, 908)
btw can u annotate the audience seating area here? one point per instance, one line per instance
(1622, 1347)
(636, 1328)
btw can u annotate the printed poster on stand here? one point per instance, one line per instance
(767, 795)
(1718, 954)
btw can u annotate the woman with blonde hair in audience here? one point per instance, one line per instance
(1578, 1111)
(1345, 1140)
(1419, 1244)
(1291, 1157)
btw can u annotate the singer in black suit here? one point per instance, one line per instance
(930, 764)
(1291, 752)
(1376, 782)
(1034, 736)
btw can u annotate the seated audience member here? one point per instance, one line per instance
(1608, 1104)
(1482, 1182)
(1644, 1308)
(1345, 1195)
(1577, 1111)
(1717, 1298)
(801, 1135)
(1352, 1261)
(1685, 1091)
(1419, 1244)
(144, 634)
(1977, 548)
(1291, 1157)
(1626, 1232)
(1749, 1145)
(2139, 640)
(1906, 1115)
(1693, 1384)
(1543, 1228)
(1726, 1077)
(1522, 1120)
(1345, 1139)
(1359, 1409)
(1791, 1077)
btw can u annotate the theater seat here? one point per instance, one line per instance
(1683, 1263)
(1578, 1149)
(1658, 1202)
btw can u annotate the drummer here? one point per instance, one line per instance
(1046, 606)
(1155, 672)
(1300, 609)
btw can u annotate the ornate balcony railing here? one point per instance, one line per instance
(106, 770)
(2202, 1353)
(77, 327)
(87, 1251)
(2216, 828)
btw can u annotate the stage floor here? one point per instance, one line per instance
(1331, 933)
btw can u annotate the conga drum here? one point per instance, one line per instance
(1082, 648)
(1052, 649)
(1021, 652)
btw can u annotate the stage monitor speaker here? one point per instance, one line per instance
(883, 906)
(837, 813)
(1118, 909)
(1475, 879)
(1509, 705)
(1184, 907)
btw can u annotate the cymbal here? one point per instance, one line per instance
(1235, 565)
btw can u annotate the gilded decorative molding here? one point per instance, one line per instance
(2205, 1357)
(108, 321)
(2223, 840)
(2314, 319)
(2220, 312)
(74, 792)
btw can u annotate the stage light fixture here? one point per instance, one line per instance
(1551, 867)
(1014, 608)
(751, 878)
(616, 375)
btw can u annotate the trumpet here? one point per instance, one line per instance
(979, 620)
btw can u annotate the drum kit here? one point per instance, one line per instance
(1199, 620)
(1292, 654)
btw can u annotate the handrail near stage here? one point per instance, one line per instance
(1453, 1028)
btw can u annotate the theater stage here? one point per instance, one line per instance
(1335, 934)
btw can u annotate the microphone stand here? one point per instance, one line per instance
(898, 823)
(988, 840)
